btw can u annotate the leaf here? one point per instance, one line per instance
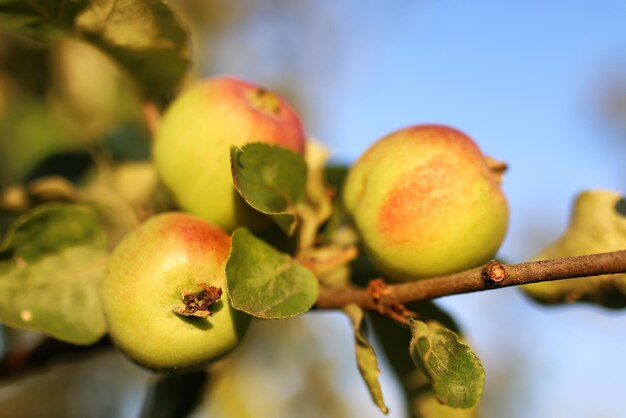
(266, 283)
(394, 339)
(597, 225)
(271, 179)
(455, 372)
(366, 357)
(51, 263)
(144, 37)
(338, 226)
(175, 395)
(41, 20)
(317, 192)
(427, 406)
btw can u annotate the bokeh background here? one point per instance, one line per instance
(540, 85)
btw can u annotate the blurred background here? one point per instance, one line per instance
(540, 85)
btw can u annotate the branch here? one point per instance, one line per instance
(491, 276)
(378, 296)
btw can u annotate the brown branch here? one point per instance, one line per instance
(493, 275)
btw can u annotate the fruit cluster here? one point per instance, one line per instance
(423, 199)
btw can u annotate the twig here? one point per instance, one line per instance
(493, 275)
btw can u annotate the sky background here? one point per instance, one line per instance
(529, 81)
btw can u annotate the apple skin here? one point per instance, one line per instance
(168, 254)
(425, 203)
(192, 146)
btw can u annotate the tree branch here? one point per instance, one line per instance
(380, 297)
(491, 276)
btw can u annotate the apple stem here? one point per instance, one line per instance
(197, 303)
(152, 117)
(324, 260)
(265, 101)
(498, 168)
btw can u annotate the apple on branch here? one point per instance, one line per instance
(164, 294)
(426, 203)
(192, 146)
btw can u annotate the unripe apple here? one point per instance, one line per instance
(192, 147)
(426, 203)
(164, 294)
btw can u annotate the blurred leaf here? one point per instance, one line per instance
(128, 142)
(319, 204)
(28, 134)
(135, 182)
(427, 406)
(271, 179)
(266, 283)
(122, 195)
(144, 37)
(455, 372)
(25, 67)
(316, 156)
(597, 225)
(42, 20)
(175, 396)
(335, 177)
(88, 94)
(366, 357)
(52, 189)
(51, 263)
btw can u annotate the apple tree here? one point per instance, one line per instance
(229, 215)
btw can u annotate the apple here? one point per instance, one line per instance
(192, 146)
(164, 294)
(426, 203)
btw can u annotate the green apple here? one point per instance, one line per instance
(192, 146)
(426, 203)
(164, 294)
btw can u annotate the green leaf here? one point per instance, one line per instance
(266, 283)
(366, 357)
(51, 263)
(271, 179)
(394, 339)
(144, 37)
(455, 372)
(597, 225)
